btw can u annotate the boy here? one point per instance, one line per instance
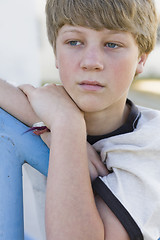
(99, 47)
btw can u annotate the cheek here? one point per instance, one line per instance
(124, 72)
(63, 67)
(68, 70)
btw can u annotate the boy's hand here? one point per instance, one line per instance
(96, 166)
(53, 106)
(51, 103)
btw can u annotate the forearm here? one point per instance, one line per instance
(71, 212)
(14, 101)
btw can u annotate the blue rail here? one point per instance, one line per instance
(16, 148)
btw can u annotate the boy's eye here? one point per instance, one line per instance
(74, 43)
(112, 45)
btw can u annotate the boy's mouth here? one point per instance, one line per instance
(91, 85)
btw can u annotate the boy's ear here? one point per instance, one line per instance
(141, 63)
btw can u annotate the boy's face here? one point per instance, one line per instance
(97, 67)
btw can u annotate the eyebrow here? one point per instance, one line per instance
(109, 32)
(72, 30)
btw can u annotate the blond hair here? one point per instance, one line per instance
(135, 16)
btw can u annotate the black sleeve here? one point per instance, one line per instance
(118, 209)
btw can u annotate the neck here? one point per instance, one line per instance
(106, 121)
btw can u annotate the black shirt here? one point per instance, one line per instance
(127, 127)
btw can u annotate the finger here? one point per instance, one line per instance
(27, 88)
(93, 171)
(101, 168)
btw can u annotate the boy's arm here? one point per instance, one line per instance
(96, 167)
(71, 212)
(14, 101)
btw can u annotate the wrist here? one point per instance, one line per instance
(67, 129)
(66, 121)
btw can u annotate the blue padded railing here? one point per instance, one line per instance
(16, 148)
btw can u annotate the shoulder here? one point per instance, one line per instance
(134, 159)
(149, 116)
(139, 141)
(148, 127)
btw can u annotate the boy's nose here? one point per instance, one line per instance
(92, 59)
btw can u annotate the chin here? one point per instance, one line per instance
(90, 104)
(89, 108)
